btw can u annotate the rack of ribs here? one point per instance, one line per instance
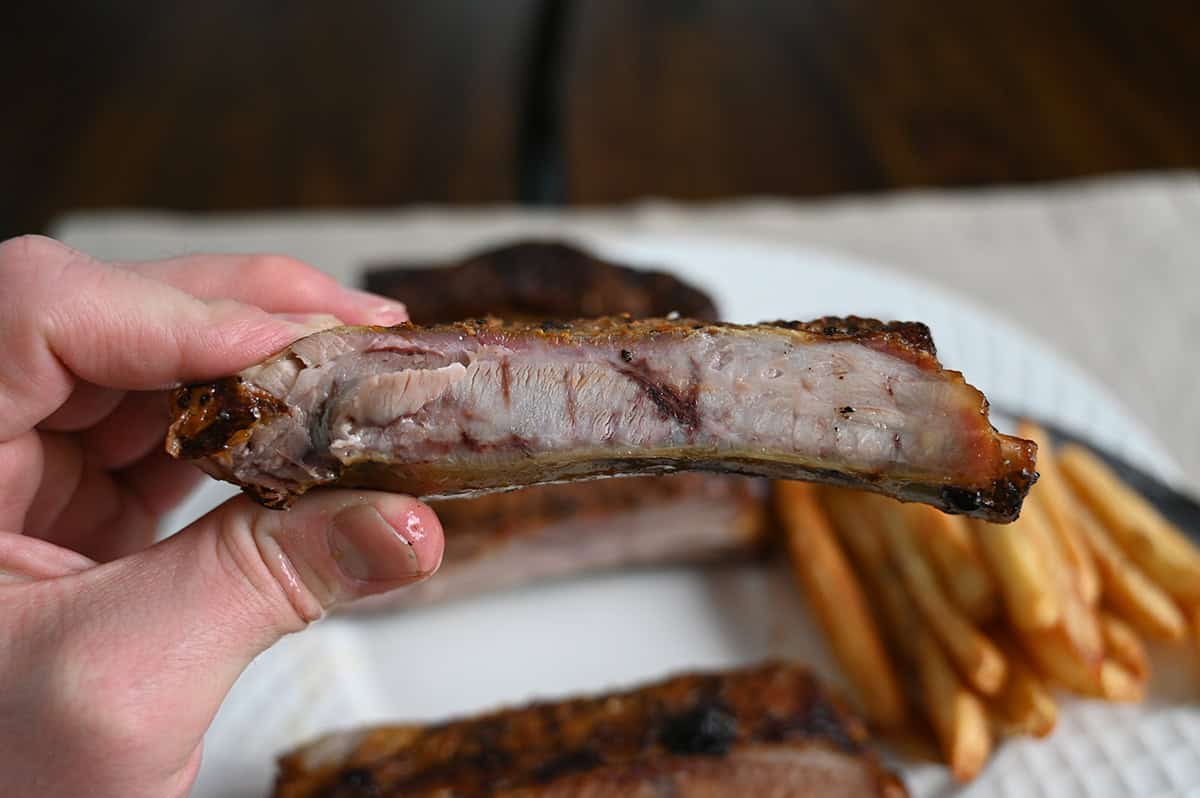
(769, 731)
(536, 280)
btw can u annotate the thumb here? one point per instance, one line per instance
(192, 611)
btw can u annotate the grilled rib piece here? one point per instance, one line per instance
(768, 732)
(552, 531)
(487, 405)
(536, 280)
(548, 532)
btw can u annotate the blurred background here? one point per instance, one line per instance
(230, 105)
(227, 106)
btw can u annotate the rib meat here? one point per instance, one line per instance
(536, 280)
(544, 532)
(486, 405)
(768, 732)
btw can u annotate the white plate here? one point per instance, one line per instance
(620, 629)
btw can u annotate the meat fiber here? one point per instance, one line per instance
(768, 732)
(486, 405)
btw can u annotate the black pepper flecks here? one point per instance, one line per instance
(706, 730)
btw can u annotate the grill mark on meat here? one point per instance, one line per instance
(708, 729)
(743, 411)
(670, 401)
(505, 389)
(569, 388)
(653, 737)
(513, 442)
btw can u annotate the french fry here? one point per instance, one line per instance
(1055, 655)
(1079, 624)
(980, 662)
(854, 518)
(1054, 496)
(1017, 563)
(1128, 591)
(837, 599)
(1024, 704)
(1122, 644)
(958, 716)
(1149, 539)
(1119, 684)
(947, 541)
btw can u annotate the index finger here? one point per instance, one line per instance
(272, 282)
(65, 316)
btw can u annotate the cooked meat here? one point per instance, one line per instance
(536, 280)
(770, 732)
(486, 405)
(552, 531)
(502, 540)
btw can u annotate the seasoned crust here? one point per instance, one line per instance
(696, 720)
(536, 280)
(211, 417)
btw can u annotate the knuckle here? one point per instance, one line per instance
(279, 270)
(250, 556)
(31, 249)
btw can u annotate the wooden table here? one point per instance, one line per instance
(232, 105)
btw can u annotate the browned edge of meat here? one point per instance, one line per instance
(772, 731)
(211, 420)
(536, 280)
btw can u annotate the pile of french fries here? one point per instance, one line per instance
(966, 628)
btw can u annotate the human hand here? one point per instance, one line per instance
(115, 653)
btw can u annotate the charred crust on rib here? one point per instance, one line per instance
(705, 719)
(707, 729)
(912, 333)
(212, 417)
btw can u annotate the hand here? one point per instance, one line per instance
(114, 653)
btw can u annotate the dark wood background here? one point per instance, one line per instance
(236, 105)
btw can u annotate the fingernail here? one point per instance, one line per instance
(383, 311)
(369, 549)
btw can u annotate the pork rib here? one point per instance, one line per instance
(536, 280)
(770, 731)
(488, 405)
(501, 540)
